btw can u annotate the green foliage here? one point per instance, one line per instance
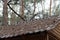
(15, 0)
(26, 0)
(39, 0)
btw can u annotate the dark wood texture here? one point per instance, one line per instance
(34, 36)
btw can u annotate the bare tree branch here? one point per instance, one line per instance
(27, 9)
(15, 12)
(34, 10)
(33, 16)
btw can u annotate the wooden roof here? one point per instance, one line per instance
(28, 27)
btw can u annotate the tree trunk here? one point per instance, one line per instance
(13, 16)
(42, 4)
(5, 14)
(50, 7)
(34, 6)
(22, 8)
